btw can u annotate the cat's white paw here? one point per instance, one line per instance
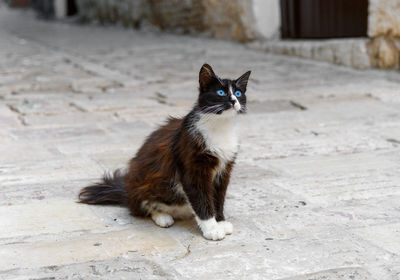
(227, 226)
(162, 219)
(216, 233)
(211, 229)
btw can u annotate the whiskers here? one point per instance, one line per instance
(243, 109)
(214, 109)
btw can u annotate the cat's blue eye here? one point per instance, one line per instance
(238, 93)
(221, 92)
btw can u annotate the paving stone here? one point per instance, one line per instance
(128, 266)
(30, 171)
(45, 217)
(97, 246)
(21, 194)
(334, 165)
(385, 236)
(335, 274)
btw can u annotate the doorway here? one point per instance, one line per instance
(322, 19)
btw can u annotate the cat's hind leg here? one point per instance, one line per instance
(162, 219)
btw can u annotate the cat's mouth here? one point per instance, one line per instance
(230, 111)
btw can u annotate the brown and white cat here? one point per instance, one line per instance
(183, 168)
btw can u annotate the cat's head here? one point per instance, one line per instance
(221, 95)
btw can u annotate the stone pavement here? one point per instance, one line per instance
(315, 194)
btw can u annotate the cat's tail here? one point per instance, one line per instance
(111, 190)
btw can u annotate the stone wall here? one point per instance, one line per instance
(230, 19)
(384, 18)
(128, 12)
(226, 19)
(185, 16)
(384, 31)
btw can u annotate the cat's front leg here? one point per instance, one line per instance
(220, 218)
(211, 229)
(221, 185)
(200, 194)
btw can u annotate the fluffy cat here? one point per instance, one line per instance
(183, 167)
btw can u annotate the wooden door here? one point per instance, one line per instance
(316, 19)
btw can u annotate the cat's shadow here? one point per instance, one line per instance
(186, 225)
(120, 215)
(189, 224)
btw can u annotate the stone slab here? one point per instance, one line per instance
(32, 170)
(336, 274)
(386, 236)
(46, 217)
(127, 266)
(85, 248)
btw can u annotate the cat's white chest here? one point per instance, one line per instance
(220, 136)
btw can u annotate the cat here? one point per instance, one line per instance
(183, 168)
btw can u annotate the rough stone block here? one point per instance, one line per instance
(384, 18)
(360, 57)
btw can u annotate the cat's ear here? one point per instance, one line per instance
(241, 82)
(206, 76)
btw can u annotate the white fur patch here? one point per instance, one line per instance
(219, 135)
(211, 229)
(162, 219)
(227, 226)
(236, 103)
(183, 212)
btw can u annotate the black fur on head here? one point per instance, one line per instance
(218, 95)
